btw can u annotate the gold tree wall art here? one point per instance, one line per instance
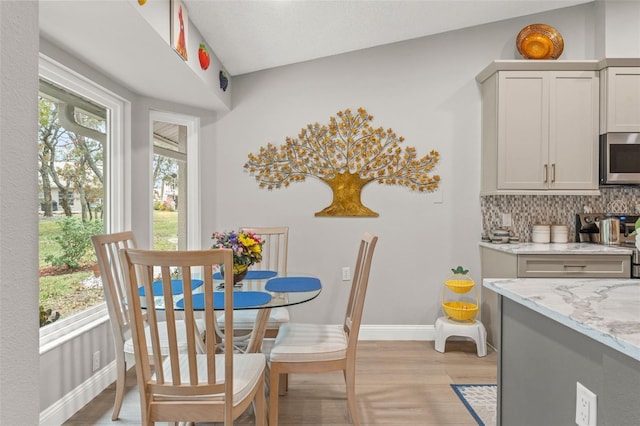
(347, 154)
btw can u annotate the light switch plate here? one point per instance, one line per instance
(506, 219)
(346, 273)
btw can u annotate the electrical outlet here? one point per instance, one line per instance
(586, 406)
(96, 360)
(346, 273)
(506, 219)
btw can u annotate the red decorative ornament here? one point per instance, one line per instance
(203, 56)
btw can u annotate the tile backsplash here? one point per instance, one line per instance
(527, 210)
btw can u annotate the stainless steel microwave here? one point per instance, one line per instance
(620, 159)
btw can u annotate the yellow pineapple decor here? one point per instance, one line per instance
(346, 154)
(464, 309)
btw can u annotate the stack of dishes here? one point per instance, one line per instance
(541, 233)
(559, 234)
(500, 236)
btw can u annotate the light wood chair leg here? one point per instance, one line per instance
(350, 381)
(121, 371)
(260, 407)
(274, 386)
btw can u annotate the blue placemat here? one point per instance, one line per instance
(241, 299)
(176, 287)
(252, 275)
(286, 284)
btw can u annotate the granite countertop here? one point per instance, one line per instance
(568, 248)
(604, 309)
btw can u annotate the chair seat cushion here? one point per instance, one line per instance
(244, 319)
(309, 342)
(180, 331)
(247, 370)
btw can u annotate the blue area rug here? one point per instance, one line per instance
(480, 400)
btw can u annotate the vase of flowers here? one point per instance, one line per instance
(247, 250)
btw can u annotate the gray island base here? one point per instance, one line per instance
(557, 332)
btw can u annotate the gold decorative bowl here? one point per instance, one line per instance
(539, 41)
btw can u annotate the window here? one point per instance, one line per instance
(82, 175)
(175, 187)
(169, 186)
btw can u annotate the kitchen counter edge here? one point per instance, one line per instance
(534, 293)
(556, 248)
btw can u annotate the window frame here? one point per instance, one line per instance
(117, 187)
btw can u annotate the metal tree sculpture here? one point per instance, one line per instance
(347, 154)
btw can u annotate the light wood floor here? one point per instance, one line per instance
(397, 383)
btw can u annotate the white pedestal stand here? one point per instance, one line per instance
(474, 330)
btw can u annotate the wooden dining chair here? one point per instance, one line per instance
(188, 386)
(274, 258)
(107, 253)
(319, 348)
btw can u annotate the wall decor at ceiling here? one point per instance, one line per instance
(224, 80)
(539, 41)
(203, 56)
(179, 28)
(346, 154)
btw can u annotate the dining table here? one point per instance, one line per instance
(260, 290)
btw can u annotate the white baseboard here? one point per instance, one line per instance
(64, 408)
(397, 332)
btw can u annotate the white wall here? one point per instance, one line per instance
(620, 20)
(18, 215)
(425, 90)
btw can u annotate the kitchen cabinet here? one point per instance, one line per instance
(540, 132)
(527, 260)
(620, 99)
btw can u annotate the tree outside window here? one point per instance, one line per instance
(72, 138)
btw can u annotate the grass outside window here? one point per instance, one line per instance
(71, 291)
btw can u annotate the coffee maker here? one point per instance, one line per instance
(588, 231)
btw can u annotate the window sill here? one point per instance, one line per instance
(59, 332)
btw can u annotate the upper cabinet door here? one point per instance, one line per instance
(540, 132)
(620, 99)
(573, 130)
(523, 130)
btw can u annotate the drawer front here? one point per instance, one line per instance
(581, 266)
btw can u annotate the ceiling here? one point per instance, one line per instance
(248, 36)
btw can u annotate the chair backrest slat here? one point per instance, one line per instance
(359, 284)
(107, 254)
(274, 248)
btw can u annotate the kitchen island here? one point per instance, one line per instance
(555, 332)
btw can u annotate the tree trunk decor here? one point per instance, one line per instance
(347, 154)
